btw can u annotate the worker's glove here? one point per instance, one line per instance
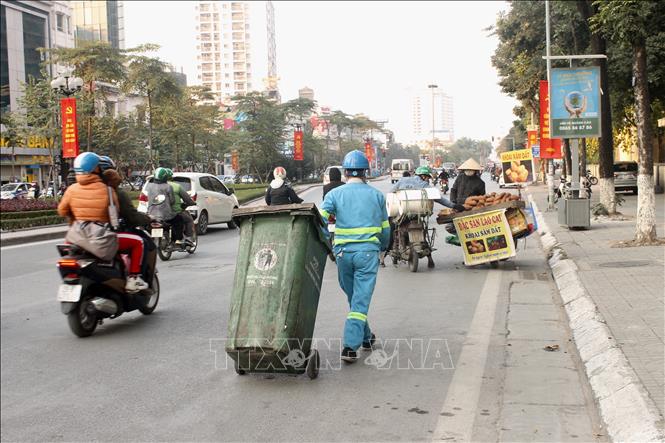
(459, 208)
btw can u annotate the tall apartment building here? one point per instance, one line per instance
(421, 116)
(272, 79)
(223, 47)
(99, 20)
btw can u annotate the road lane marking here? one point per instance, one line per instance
(464, 388)
(37, 243)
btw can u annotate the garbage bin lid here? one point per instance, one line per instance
(295, 209)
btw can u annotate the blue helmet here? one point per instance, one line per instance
(355, 163)
(86, 162)
(105, 162)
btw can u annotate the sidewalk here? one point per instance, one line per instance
(626, 285)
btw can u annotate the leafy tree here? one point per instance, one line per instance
(630, 23)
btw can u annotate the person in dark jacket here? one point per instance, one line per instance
(279, 193)
(467, 184)
(335, 176)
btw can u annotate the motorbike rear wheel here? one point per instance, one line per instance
(153, 299)
(82, 321)
(413, 260)
(191, 249)
(163, 248)
(593, 180)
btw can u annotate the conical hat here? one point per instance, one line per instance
(470, 164)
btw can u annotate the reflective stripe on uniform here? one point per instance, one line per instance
(357, 316)
(385, 224)
(357, 231)
(341, 241)
(325, 214)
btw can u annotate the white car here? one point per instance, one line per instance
(11, 191)
(214, 201)
(326, 174)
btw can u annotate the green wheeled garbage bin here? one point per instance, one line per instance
(281, 259)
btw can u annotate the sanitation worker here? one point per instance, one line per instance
(362, 231)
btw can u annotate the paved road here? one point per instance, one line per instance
(162, 377)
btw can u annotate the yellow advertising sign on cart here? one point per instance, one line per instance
(485, 237)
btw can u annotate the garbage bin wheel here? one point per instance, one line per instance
(313, 363)
(494, 264)
(239, 371)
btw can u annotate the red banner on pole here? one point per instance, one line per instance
(235, 162)
(549, 148)
(298, 153)
(369, 151)
(532, 139)
(70, 133)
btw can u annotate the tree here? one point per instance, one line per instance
(629, 23)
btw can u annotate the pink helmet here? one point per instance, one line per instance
(279, 172)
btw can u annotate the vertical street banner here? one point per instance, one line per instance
(485, 237)
(369, 151)
(575, 102)
(517, 167)
(70, 133)
(532, 138)
(549, 148)
(298, 153)
(235, 161)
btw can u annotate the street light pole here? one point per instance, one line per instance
(432, 87)
(65, 84)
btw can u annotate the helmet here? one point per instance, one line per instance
(355, 161)
(105, 163)
(169, 173)
(424, 170)
(86, 162)
(279, 172)
(161, 174)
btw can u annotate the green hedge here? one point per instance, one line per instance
(245, 195)
(21, 223)
(27, 214)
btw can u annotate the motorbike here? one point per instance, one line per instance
(413, 239)
(590, 178)
(93, 290)
(163, 234)
(443, 184)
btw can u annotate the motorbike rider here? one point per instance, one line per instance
(279, 192)
(362, 231)
(335, 176)
(182, 201)
(161, 200)
(129, 239)
(469, 183)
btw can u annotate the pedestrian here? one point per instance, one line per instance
(362, 231)
(469, 183)
(279, 192)
(335, 176)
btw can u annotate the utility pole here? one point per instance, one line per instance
(550, 162)
(432, 87)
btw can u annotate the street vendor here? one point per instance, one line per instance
(468, 183)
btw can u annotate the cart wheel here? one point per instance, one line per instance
(430, 261)
(395, 261)
(494, 264)
(413, 260)
(313, 363)
(239, 371)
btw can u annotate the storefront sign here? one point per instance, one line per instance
(298, 153)
(70, 134)
(517, 167)
(575, 102)
(549, 148)
(485, 237)
(33, 141)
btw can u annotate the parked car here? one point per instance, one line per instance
(214, 201)
(226, 179)
(326, 174)
(11, 191)
(247, 179)
(625, 176)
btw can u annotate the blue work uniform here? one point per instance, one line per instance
(361, 232)
(416, 182)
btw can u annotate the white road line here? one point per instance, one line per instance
(25, 245)
(464, 389)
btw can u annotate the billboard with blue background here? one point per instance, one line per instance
(575, 102)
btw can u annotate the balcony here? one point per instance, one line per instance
(237, 27)
(205, 27)
(204, 17)
(238, 57)
(237, 17)
(238, 36)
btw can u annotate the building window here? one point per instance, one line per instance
(34, 36)
(60, 22)
(4, 66)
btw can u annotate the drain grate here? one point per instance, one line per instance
(625, 264)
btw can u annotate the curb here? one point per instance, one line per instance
(629, 414)
(33, 238)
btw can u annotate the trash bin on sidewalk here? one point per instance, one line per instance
(281, 258)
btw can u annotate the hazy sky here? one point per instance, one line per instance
(365, 57)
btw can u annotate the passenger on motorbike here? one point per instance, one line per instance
(421, 181)
(161, 200)
(182, 201)
(129, 239)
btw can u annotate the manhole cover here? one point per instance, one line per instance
(625, 264)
